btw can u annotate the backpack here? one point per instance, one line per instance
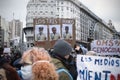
(2, 74)
(62, 71)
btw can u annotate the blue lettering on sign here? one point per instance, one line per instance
(86, 74)
(107, 62)
(89, 76)
(106, 74)
(97, 76)
(86, 59)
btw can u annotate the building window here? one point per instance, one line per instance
(58, 9)
(67, 8)
(52, 12)
(62, 2)
(61, 8)
(51, 1)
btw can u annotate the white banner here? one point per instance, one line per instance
(106, 47)
(98, 68)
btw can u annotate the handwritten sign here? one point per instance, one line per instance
(106, 47)
(98, 68)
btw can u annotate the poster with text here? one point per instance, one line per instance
(98, 68)
(106, 47)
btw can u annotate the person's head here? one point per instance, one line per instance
(44, 70)
(35, 54)
(40, 29)
(62, 48)
(77, 48)
(66, 29)
(54, 29)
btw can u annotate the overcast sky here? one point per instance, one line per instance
(105, 9)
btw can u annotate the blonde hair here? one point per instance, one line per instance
(40, 60)
(35, 54)
(44, 70)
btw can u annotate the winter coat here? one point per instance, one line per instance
(59, 65)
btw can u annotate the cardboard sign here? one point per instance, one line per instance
(98, 68)
(48, 30)
(106, 47)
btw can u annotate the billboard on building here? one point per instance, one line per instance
(48, 30)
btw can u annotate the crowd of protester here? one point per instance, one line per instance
(57, 63)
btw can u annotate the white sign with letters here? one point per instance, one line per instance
(98, 68)
(106, 47)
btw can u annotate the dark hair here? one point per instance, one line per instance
(1, 50)
(80, 50)
(66, 27)
(11, 73)
(76, 44)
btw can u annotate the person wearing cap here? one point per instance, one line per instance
(67, 34)
(41, 36)
(7, 72)
(54, 35)
(63, 60)
(7, 55)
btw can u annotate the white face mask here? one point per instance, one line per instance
(26, 72)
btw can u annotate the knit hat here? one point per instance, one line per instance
(62, 48)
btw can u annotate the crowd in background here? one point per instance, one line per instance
(57, 63)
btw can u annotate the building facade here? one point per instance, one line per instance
(88, 25)
(15, 28)
(4, 32)
(116, 35)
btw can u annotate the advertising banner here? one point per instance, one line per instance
(98, 68)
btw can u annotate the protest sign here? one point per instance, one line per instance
(106, 47)
(98, 68)
(6, 50)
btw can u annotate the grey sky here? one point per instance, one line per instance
(18, 7)
(105, 9)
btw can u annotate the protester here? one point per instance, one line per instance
(7, 72)
(1, 51)
(44, 70)
(63, 60)
(29, 58)
(15, 60)
(7, 55)
(80, 49)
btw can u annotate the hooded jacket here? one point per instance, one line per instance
(62, 75)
